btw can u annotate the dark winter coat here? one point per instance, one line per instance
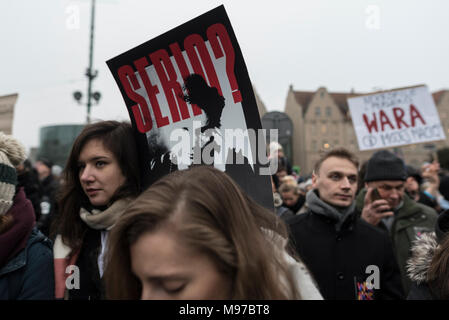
(418, 265)
(29, 180)
(425, 199)
(338, 260)
(298, 205)
(410, 221)
(49, 211)
(284, 213)
(29, 275)
(281, 211)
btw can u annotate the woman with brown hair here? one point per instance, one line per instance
(195, 235)
(101, 179)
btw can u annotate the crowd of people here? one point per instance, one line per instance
(346, 220)
(349, 231)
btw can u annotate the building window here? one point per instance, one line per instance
(317, 111)
(328, 111)
(323, 129)
(336, 143)
(313, 145)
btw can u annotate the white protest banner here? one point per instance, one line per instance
(395, 118)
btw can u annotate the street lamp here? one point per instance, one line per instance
(90, 73)
(78, 95)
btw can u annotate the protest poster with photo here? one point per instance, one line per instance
(191, 102)
(395, 118)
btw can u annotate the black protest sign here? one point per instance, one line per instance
(191, 102)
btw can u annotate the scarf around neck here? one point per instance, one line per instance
(15, 238)
(95, 219)
(318, 206)
(298, 205)
(106, 219)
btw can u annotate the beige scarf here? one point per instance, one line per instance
(105, 220)
(98, 220)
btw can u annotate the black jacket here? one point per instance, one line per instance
(30, 182)
(339, 260)
(298, 205)
(91, 285)
(49, 210)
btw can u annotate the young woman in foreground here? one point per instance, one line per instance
(195, 235)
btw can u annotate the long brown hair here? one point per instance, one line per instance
(212, 215)
(438, 273)
(118, 138)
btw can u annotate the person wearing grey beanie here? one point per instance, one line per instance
(383, 203)
(25, 254)
(12, 154)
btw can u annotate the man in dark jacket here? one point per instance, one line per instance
(49, 189)
(28, 178)
(349, 258)
(385, 205)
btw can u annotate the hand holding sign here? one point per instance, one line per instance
(430, 174)
(375, 208)
(430, 171)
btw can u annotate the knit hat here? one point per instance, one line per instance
(384, 165)
(12, 153)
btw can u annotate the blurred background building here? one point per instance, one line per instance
(283, 123)
(55, 142)
(321, 121)
(7, 104)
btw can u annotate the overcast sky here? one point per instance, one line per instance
(365, 45)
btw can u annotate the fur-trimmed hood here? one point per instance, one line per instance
(424, 248)
(423, 251)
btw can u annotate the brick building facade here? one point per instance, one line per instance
(322, 121)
